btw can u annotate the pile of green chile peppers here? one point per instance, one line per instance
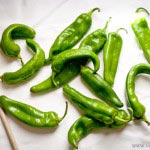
(142, 32)
(94, 42)
(29, 69)
(133, 102)
(15, 31)
(66, 64)
(111, 55)
(29, 114)
(71, 35)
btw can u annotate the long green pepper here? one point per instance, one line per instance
(133, 102)
(142, 32)
(71, 35)
(15, 31)
(29, 114)
(28, 70)
(94, 41)
(100, 87)
(111, 55)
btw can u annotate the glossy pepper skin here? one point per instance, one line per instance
(90, 106)
(111, 56)
(71, 35)
(29, 114)
(85, 125)
(94, 41)
(81, 128)
(100, 87)
(142, 33)
(73, 55)
(15, 31)
(28, 70)
(133, 102)
(70, 71)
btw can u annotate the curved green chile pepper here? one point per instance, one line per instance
(100, 87)
(111, 55)
(15, 31)
(71, 35)
(94, 41)
(85, 125)
(70, 55)
(29, 114)
(142, 33)
(30, 69)
(81, 128)
(133, 102)
(95, 106)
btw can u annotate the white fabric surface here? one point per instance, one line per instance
(49, 18)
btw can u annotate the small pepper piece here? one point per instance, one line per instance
(133, 102)
(100, 87)
(142, 33)
(71, 35)
(29, 114)
(111, 55)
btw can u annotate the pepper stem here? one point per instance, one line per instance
(145, 119)
(142, 9)
(65, 113)
(119, 119)
(131, 113)
(106, 25)
(94, 9)
(53, 76)
(122, 29)
(19, 57)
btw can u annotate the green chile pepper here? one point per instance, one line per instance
(100, 87)
(70, 55)
(81, 128)
(142, 33)
(133, 102)
(85, 125)
(71, 35)
(15, 31)
(94, 41)
(111, 55)
(92, 105)
(30, 69)
(29, 114)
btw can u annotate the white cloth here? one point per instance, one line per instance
(49, 18)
